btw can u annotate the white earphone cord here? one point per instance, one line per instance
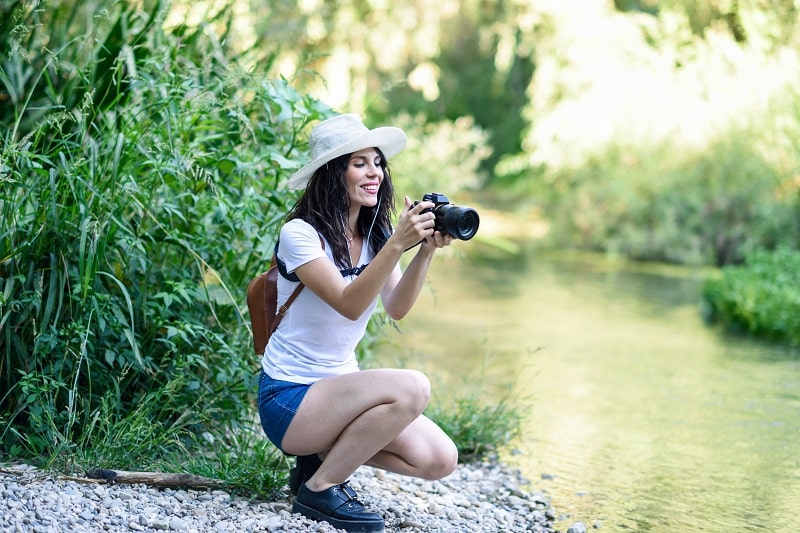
(377, 207)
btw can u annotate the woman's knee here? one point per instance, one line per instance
(442, 462)
(415, 390)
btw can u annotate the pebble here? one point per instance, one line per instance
(478, 498)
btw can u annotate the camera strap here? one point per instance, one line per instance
(353, 271)
(291, 276)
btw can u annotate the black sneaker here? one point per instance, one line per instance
(339, 506)
(304, 468)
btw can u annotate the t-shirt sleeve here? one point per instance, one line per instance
(299, 244)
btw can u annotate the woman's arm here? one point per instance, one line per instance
(351, 300)
(401, 291)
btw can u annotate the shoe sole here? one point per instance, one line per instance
(360, 526)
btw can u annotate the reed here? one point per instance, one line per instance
(141, 178)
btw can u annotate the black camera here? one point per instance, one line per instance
(460, 222)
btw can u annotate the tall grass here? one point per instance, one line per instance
(140, 187)
(480, 428)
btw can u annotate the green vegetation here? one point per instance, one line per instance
(666, 155)
(479, 428)
(707, 207)
(141, 177)
(143, 155)
(761, 297)
(648, 140)
(139, 171)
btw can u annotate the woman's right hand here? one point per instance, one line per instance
(414, 225)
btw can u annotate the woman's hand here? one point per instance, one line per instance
(438, 240)
(414, 225)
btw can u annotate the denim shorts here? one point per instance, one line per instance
(278, 402)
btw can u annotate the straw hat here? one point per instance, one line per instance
(345, 134)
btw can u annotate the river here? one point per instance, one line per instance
(640, 416)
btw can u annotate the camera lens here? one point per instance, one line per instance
(460, 222)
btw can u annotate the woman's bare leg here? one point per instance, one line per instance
(422, 450)
(369, 417)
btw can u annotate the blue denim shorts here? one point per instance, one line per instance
(278, 402)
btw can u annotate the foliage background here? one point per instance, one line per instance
(140, 170)
(145, 144)
(658, 130)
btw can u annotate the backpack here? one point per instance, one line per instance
(262, 300)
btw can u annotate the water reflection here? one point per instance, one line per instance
(646, 419)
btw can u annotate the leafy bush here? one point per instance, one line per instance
(141, 185)
(761, 297)
(660, 204)
(140, 189)
(453, 167)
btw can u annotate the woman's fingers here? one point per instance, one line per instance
(439, 239)
(416, 222)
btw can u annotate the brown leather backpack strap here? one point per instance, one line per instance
(285, 307)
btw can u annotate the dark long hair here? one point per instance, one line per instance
(325, 204)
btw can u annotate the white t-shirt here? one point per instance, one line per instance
(313, 340)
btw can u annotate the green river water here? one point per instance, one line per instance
(641, 416)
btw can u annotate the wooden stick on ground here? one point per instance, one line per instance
(157, 479)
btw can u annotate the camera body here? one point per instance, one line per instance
(460, 222)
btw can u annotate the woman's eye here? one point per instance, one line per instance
(361, 164)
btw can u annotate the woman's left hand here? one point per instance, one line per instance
(439, 239)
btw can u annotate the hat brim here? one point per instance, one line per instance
(390, 140)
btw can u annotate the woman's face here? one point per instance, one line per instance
(364, 176)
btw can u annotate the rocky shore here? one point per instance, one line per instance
(489, 497)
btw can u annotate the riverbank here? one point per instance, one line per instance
(488, 497)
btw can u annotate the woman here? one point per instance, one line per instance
(314, 401)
